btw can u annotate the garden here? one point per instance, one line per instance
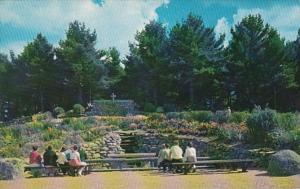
(257, 134)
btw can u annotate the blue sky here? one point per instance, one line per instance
(116, 21)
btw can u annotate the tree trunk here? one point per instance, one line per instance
(41, 100)
(80, 100)
(191, 91)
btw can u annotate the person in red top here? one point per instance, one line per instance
(34, 157)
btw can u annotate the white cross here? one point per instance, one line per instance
(113, 96)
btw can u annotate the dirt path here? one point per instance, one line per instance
(145, 180)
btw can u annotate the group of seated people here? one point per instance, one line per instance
(167, 156)
(65, 158)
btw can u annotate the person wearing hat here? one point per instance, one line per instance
(190, 155)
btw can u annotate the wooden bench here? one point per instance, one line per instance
(120, 162)
(233, 163)
(47, 169)
(72, 170)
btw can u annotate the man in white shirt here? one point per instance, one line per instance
(190, 155)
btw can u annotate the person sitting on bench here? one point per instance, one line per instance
(75, 160)
(50, 158)
(62, 161)
(190, 155)
(176, 156)
(35, 158)
(163, 157)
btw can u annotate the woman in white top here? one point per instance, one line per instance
(75, 160)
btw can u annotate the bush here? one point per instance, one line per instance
(287, 121)
(149, 107)
(159, 109)
(78, 109)
(174, 115)
(156, 116)
(239, 117)
(202, 116)
(284, 163)
(260, 122)
(221, 116)
(283, 139)
(41, 116)
(58, 111)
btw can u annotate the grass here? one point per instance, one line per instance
(152, 179)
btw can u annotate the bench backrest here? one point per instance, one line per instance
(132, 155)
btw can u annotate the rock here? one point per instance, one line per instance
(284, 163)
(73, 139)
(10, 169)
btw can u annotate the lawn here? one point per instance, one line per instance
(153, 179)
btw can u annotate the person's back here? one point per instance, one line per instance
(190, 154)
(176, 152)
(50, 157)
(34, 157)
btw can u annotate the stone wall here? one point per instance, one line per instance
(109, 144)
(152, 142)
(109, 107)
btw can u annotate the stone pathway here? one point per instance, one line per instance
(153, 179)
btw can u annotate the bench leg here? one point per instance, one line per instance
(244, 167)
(185, 169)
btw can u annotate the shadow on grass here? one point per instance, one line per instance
(202, 172)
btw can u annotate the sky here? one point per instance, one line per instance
(117, 21)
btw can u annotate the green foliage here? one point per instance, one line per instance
(157, 116)
(149, 107)
(77, 124)
(287, 121)
(238, 117)
(78, 109)
(221, 116)
(174, 115)
(260, 122)
(159, 109)
(201, 116)
(110, 108)
(58, 111)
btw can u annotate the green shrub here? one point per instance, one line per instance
(149, 107)
(201, 116)
(78, 109)
(221, 116)
(260, 122)
(238, 117)
(77, 124)
(159, 109)
(69, 113)
(156, 116)
(174, 115)
(58, 111)
(287, 120)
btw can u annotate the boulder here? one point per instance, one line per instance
(10, 169)
(284, 163)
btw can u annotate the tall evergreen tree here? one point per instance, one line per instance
(196, 57)
(37, 57)
(257, 63)
(78, 52)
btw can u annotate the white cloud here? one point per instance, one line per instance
(115, 21)
(17, 47)
(223, 27)
(285, 19)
